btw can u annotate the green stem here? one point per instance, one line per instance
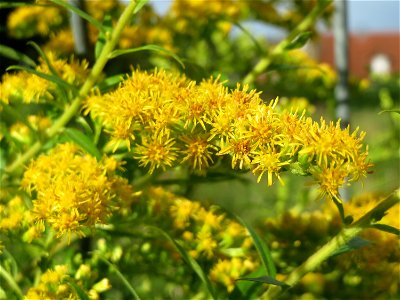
(310, 19)
(343, 237)
(94, 75)
(11, 282)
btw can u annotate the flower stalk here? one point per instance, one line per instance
(71, 111)
(343, 237)
(264, 63)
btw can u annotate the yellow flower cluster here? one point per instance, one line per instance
(227, 271)
(27, 21)
(185, 14)
(26, 87)
(72, 189)
(171, 120)
(13, 215)
(207, 234)
(53, 284)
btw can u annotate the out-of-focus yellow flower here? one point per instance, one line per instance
(27, 21)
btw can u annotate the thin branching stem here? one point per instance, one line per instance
(94, 75)
(264, 63)
(342, 238)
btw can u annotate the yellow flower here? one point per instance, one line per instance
(73, 189)
(197, 152)
(206, 243)
(158, 151)
(268, 161)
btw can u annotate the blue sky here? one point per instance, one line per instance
(363, 15)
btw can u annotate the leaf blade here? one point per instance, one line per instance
(150, 47)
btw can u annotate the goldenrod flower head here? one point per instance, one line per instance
(170, 120)
(72, 189)
(206, 243)
(227, 271)
(268, 161)
(156, 151)
(198, 152)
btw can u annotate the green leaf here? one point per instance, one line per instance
(190, 261)
(44, 56)
(299, 41)
(81, 293)
(12, 4)
(268, 280)
(262, 248)
(15, 55)
(80, 13)
(110, 82)
(102, 39)
(386, 228)
(48, 77)
(82, 140)
(114, 268)
(139, 5)
(155, 48)
(353, 244)
(389, 111)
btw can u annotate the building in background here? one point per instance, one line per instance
(377, 53)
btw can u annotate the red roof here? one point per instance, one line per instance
(362, 49)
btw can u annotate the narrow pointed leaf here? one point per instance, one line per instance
(155, 48)
(266, 279)
(80, 13)
(101, 39)
(389, 111)
(262, 249)
(48, 77)
(299, 41)
(353, 244)
(114, 268)
(386, 228)
(190, 261)
(110, 82)
(78, 290)
(44, 57)
(139, 5)
(82, 140)
(15, 55)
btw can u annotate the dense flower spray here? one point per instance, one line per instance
(72, 189)
(166, 119)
